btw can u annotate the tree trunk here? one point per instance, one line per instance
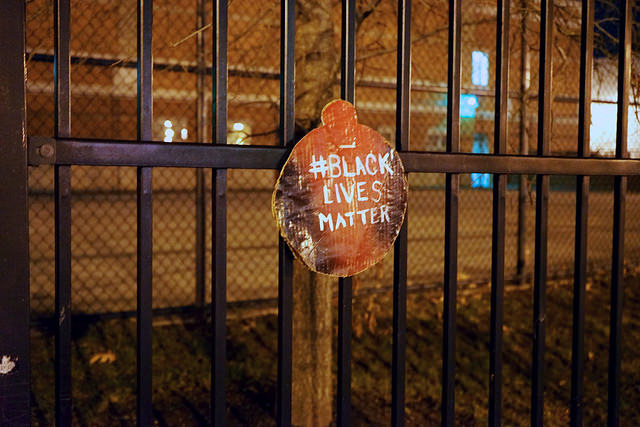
(312, 339)
(316, 59)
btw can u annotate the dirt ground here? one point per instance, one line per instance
(104, 365)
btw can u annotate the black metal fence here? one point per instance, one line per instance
(102, 94)
(100, 189)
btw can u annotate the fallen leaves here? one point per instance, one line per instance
(104, 357)
(6, 365)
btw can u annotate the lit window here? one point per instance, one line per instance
(468, 105)
(168, 132)
(238, 133)
(479, 68)
(480, 145)
(603, 130)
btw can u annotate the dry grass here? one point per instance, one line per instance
(104, 364)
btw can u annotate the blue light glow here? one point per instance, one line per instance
(479, 68)
(468, 105)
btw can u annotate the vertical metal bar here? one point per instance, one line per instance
(451, 217)
(345, 285)
(348, 51)
(542, 201)
(582, 205)
(285, 258)
(619, 202)
(62, 190)
(219, 220)
(398, 379)
(523, 197)
(144, 215)
(200, 249)
(285, 333)
(62, 30)
(219, 291)
(201, 129)
(498, 228)
(14, 225)
(345, 295)
(403, 93)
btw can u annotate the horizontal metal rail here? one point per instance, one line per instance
(44, 150)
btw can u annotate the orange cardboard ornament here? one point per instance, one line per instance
(341, 196)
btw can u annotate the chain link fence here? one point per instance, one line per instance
(103, 105)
